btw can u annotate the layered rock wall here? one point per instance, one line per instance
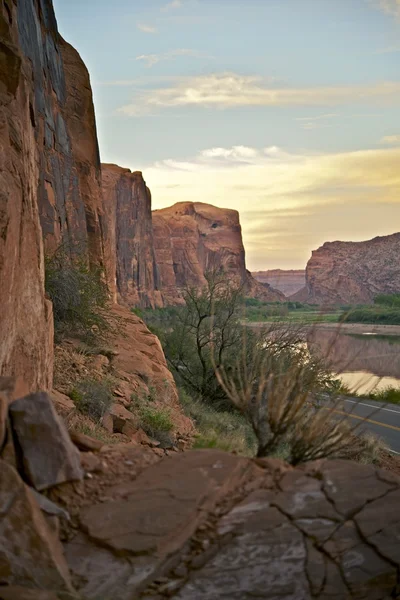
(25, 74)
(353, 272)
(191, 238)
(129, 237)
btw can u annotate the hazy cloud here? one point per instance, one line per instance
(146, 28)
(391, 139)
(172, 5)
(153, 59)
(390, 7)
(230, 90)
(289, 203)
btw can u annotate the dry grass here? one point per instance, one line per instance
(274, 394)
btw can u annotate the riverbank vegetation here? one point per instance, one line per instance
(248, 390)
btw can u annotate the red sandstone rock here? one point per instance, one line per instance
(287, 281)
(353, 272)
(130, 249)
(192, 237)
(26, 317)
(30, 553)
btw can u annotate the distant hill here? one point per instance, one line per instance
(289, 282)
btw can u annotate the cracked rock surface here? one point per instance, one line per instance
(205, 525)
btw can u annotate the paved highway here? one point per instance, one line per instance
(381, 419)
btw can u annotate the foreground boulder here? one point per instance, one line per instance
(45, 453)
(30, 555)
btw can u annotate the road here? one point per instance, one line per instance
(381, 419)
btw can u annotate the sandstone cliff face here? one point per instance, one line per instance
(130, 257)
(288, 282)
(353, 272)
(192, 237)
(26, 317)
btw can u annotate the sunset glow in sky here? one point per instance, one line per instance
(286, 110)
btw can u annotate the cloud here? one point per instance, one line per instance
(391, 139)
(230, 90)
(388, 50)
(290, 203)
(146, 28)
(153, 59)
(172, 5)
(390, 7)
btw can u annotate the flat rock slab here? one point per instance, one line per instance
(126, 541)
(46, 455)
(29, 553)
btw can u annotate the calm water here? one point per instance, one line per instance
(364, 362)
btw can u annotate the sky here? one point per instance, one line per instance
(285, 110)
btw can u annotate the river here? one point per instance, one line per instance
(365, 362)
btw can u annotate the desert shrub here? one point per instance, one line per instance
(273, 390)
(78, 293)
(93, 398)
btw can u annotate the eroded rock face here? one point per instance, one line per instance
(26, 317)
(191, 238)
(353, 272)
(130, 254)
(286, 281)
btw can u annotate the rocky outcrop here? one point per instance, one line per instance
(239, 528)
(353, 272)
(130, 258)
(286, 281)
(191, 238)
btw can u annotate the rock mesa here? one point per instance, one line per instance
(353, 272)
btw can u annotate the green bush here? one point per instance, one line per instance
(92, 398)
(383, 315)
(389, 394)
(77, 292)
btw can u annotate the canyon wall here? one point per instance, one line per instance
(26, 72)
(192, 237)
(353, 272)
(286, 281)
(131, 260)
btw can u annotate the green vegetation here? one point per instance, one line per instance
(155, 420)
(384, 311)
(78, 293)
(257, 311)
(389, 394)
(247, 390)
(222, 429)
(92, 398)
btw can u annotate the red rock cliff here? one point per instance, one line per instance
(29, 67)
(191, 237)
(353, 272)
(131, 259)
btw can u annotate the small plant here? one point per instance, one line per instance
(154, 420)
(78, 294)
(93, 398)
(225, 430)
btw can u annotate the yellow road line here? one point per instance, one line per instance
(353, 416)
